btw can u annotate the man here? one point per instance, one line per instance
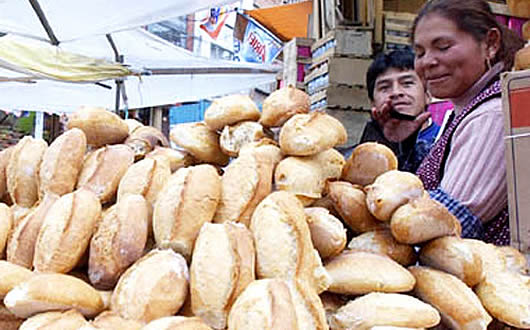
(399, 104)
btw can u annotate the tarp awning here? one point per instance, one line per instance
(287, 21)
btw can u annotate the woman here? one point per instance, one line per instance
(460, 52)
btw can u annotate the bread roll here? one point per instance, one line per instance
(306, 177)
(118, 241)
(103, 169)
(309, 310)
(246, 182)
(111, 321)
(421, 220)
(21, 243)
(506, 296)
(367, 162)
(382, 242)
(283, 242)
(8, 321)
(23, 171)
(177, 322)
(350, 202)
(222, 267)
(200, 141)
(6, 224)
(282, 104)
(66, 232)
(309, 134)
(144, 139)
(391, 190)
(4, 161)
(48, 292)
(452, 255)
(327, 232)
(385, 309)
(229, 110)
(133, 124)
(176, 158)
(67, 320)
(187, 201)
(19, 212)
(522, 59)
(100, 126)
(459, 307)
(515, 260)
(62, 163)
(234, 137)
(358, 272)
(155, 286)
(12, 275)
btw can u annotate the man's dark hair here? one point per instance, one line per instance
(402, 59)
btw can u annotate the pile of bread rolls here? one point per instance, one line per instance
(234, 227)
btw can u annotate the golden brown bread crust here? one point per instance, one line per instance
(67, 320)
(144, 139)
(12, 275)
(176, 158)
(6, 225)
(100, 126)
(233, 138)
(229, 110)
(200, 141)
(515, 260)
(327, 232)
(132, 124)
(309, 134)
(367, 162)
(177, 322)
(4, 161)
(109, 320)
(282, 104)
(381, 241)
(493, 259)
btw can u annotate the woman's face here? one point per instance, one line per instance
(448, 60)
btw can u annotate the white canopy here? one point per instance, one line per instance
(177, 75)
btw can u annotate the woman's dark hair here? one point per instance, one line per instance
(474, 17)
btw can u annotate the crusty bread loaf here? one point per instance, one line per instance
(390, 190)
(246, 182)
(118, 241)
(19, 212)
(515, 260)
(506, 296)
(493, 259)
(200, 141)
(522, 59)
(458, 305)
(49, 292)
(6, 225)
(109, 320)
(222, 267)
(177, 322)
(67, 320)
(100, 126)
(144, 139)
(8, 320)
(421, 220)
(66, 231)
(234, 137)
(62, 163)
(283, 242)
(229, 110)
(282, 104)
(187, 201)
(12, 275)
(309, 134)
(23, 171)
(350, 202)
(154, 286)
(381, 241)
(327, 232)
(385, 309)
(23, 238)
(306, 177)
(359, 272)
(103, 169)
(132, 124)
(452, 255)
(4, 161)
(309, 310)
(176, 158)
(367, 162)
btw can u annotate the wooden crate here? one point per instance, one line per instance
(337, 71)
(341, 97)
(397, 29)
(296, 60)
(353, 42)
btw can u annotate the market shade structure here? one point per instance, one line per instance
(287, 21)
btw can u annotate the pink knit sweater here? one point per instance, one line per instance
(475, 170)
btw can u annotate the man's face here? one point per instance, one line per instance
(403, 88)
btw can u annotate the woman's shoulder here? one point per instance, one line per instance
(487, 109)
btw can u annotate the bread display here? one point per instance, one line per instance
(12, 275)
(222, 267)
(359, 272)
(177, 158)
(229, 110)
(133, 124)
(234, 137)
(62, 163)
(22, 171)
(144, 139)
(9, 321)
(100, 126)
(4, 161)
(184, 205)
(201, 142)
(327, 232)
(67, 320)
(109, 320)
(381, 241)
(367, 161)
(493, 259)
(309, 134)
(385, 309)
(6, 225)
(177, 322)
(282, 104)
(515, 260)
(421, 220)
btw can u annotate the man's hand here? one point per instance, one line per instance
(397, 130)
